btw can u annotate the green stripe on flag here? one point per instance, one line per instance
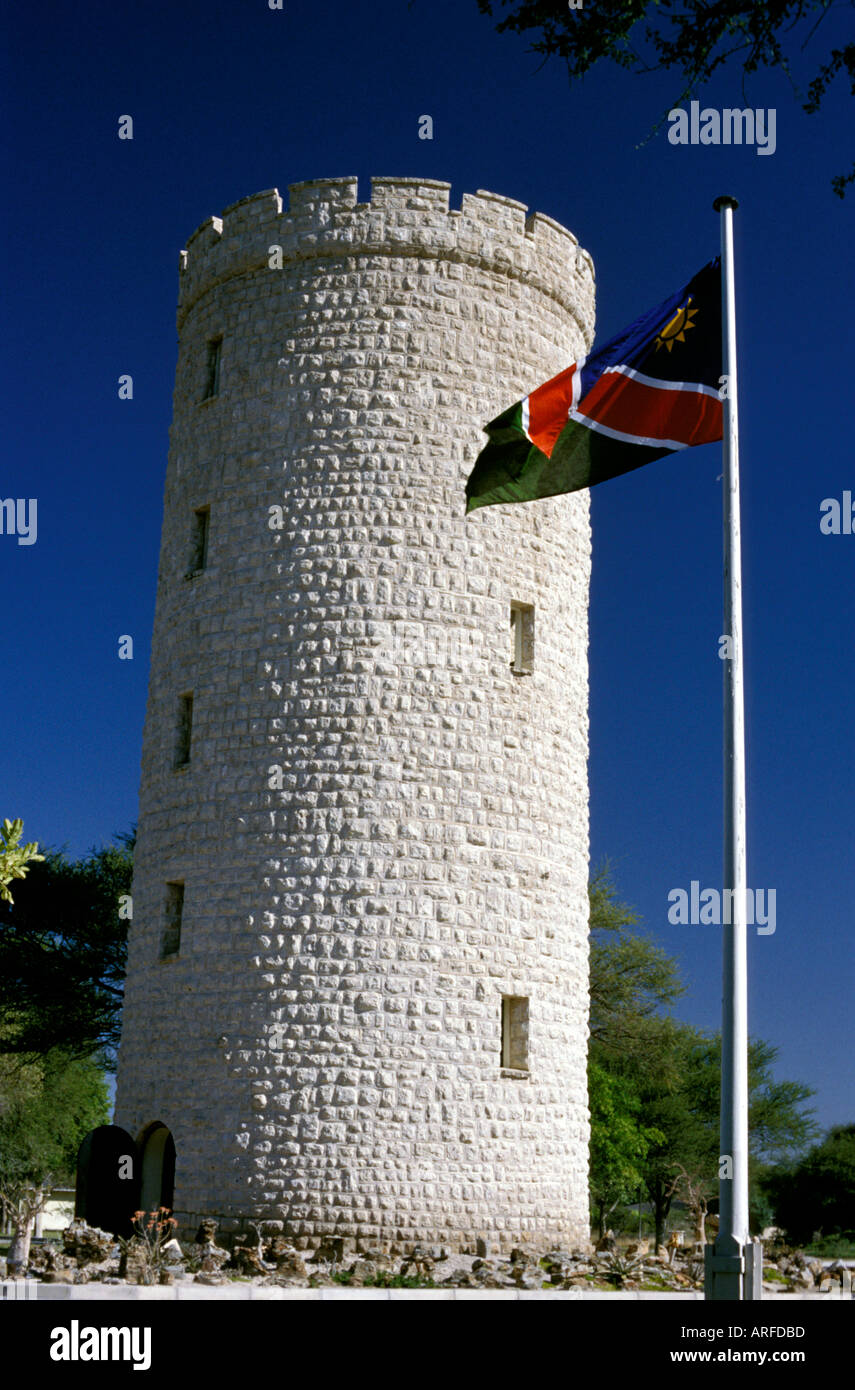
(511, 469)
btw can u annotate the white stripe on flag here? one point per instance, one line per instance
(696, 386)
(626, 438)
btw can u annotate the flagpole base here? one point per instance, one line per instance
(735, 1276)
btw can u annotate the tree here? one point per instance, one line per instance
(687, 1161)
(630, 978)
(619, 1142)
(672, 1070)
(63, 946)
(818, 1194)
(14, 856)
(47, 1105)
(693, 37)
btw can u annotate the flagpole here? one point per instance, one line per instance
(733, 1265)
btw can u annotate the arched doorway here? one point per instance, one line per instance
(157, 1187)
(107, 1190)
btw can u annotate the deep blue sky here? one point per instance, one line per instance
(230, 98)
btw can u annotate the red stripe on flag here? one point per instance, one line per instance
(548, 409)
(653, 412)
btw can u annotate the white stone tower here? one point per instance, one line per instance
(357, 978)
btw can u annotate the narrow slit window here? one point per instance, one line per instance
(522, 638)
(170, 941)
(212, 377)
(185, 730)
(514, 1033)
(199, 547)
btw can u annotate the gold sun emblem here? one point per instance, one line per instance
(675, 331)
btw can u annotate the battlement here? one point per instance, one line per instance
(405, 217)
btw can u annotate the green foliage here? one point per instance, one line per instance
(618, 1268)
(62, 954)
(832, 1248)
(818, 1193)
(687, 1113)
(631, 978)
(47, 1106)
(619, 1142)
(693, 38)
(14, 856)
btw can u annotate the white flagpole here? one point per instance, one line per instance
(733, 1263)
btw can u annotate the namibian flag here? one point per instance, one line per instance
(650, 391)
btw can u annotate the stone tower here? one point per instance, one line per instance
(357, 978)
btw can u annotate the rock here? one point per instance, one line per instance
(607, 1244)
(247, 1256)
(209, 1278)
(246, 1260)
(331, 1250)
(97, 1273)
(206, 1232)
(482, 1248)
(166, 1277)
(172, 1252)
(61, 1276)
(134, 1261)
(381, 1261)
(212, 1258)
(279, 1249)
(87, 1244)
(291, 1269)
(523, 1255)
(417, 1267)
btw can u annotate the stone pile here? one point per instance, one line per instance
(265, 1256)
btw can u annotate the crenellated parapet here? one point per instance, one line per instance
(405, 218)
